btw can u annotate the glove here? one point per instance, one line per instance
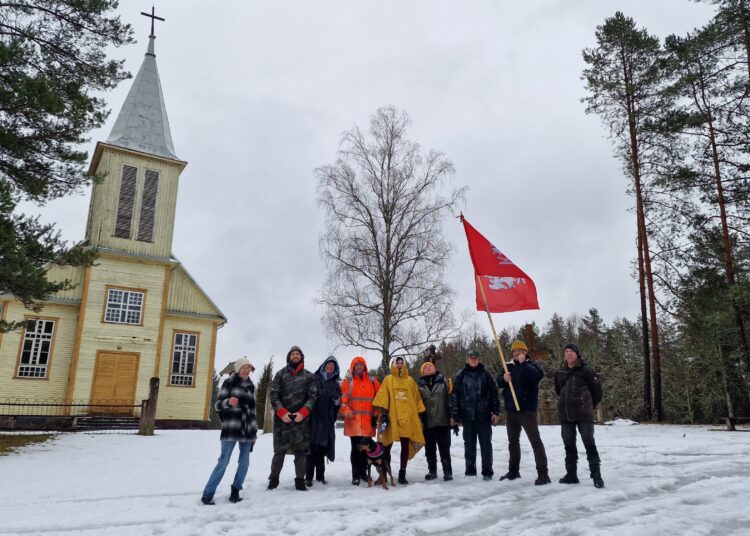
(455, 430)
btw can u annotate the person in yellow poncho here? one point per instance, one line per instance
(400, 404)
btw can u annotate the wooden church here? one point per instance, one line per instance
(136, 313)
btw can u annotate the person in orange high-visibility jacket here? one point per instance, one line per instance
(357, 391)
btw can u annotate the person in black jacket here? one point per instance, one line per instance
(525, 375)
(476, 405)
(323, 421)
(580, 392)
(236, 407)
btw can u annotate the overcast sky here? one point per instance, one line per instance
(258, 94)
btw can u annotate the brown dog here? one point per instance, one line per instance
(377, 457)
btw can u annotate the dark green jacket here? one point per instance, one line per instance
(436, 396)
(292, 391)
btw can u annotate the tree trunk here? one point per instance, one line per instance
(727, 244)
(647, 408)
(643, 235)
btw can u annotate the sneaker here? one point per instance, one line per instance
(511, 475)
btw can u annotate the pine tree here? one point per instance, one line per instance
(623, 78)
(266, 376)
(54, 66)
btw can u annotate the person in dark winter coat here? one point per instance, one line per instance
(525, 375)
(292, 395)
(476, 405)
(323, 420)
(436, 393)
(580, 392)
(236, 407)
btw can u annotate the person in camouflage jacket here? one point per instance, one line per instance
(293, 394)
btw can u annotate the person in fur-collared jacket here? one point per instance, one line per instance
(236, 406)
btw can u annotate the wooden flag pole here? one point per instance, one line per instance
(497, 341)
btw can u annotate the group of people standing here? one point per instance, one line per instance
(411, 413)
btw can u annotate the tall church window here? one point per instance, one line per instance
(126, 202)
(184, 352)
(124, 306)
(36, 349)
(148, 206)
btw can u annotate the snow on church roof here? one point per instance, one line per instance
(142, 123)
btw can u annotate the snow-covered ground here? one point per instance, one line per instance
(660, 480)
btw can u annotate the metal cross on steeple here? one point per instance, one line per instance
(152, 17)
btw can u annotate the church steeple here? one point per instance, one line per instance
(133, 205)
(142, 124)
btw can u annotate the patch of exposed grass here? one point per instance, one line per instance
(10, 442)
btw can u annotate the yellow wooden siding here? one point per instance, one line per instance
(57, 374)
(74, 274)
(186, 297)
(180, 402)
(105, 195)
(97, 335)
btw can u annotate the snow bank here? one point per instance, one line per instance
(659, 480)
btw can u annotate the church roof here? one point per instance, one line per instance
(142, 123)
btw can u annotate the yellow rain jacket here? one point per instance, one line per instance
(399, 397)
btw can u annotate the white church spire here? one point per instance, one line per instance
(142, 124)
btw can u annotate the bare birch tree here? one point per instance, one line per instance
(385, 199)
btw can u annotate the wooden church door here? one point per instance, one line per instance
(115, 380)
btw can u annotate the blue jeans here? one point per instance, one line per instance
(221, 465)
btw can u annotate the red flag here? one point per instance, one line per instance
(506, 286)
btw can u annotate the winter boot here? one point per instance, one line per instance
(308, 482)
(447, 470)
(234, 496)
(299, 484)
(431, 470)
(207, 501)
(596, 476)
(542, 478)
(402, 477)
(511, 475)
(273, 482)
(571, 473)
(569, 478)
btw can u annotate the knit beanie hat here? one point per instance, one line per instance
(241, 362)
(472, 353)
(519, 345)
(571, 346)
(425, 364)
